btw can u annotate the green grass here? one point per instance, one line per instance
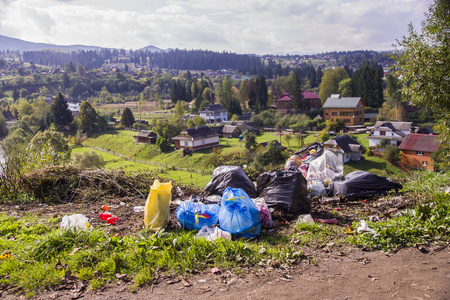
(116, 162)
(428, 221)
(37, 256)
(375, 165)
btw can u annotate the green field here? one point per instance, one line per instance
(117, 162)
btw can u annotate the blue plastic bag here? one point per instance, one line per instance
(193, 216)
(238, 214)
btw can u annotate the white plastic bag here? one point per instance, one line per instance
(307, 218)
(365, 228)
(76, 221)
(212, 234)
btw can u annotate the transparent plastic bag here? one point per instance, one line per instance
(75, 221)
(157, 207)
(212, 234)
(266, 217)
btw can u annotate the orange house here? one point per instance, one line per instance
(349, 109)
(416, 150)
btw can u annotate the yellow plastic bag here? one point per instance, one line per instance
(157, 207)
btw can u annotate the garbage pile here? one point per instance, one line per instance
(232, 205)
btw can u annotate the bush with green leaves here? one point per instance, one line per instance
(391, 153)
(88, 159)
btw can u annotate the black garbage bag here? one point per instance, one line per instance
(285, 189)
(305, 153)
(362, 184)
(229, 176)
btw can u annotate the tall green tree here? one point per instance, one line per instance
(127, 119)
(367, 82)
(87, 117)
(61, 115)
(295, 89)
(262, 95)
(330, 83)
(424, 60)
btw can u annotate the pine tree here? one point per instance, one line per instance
(127, 119)
(60, 111)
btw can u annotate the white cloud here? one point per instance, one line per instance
(253, 26)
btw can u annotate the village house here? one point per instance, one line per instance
(349, 109)
(283, 104)
(416, 150)
(245, 126)
(345, 148)
(145, 137)
(231, 131)
(312, 100)
(395, 132)
(214, 113)
(196, 138)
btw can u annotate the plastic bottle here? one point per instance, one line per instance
(104, 216)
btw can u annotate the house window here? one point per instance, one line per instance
(326, 114)
(203, 142)
(419, 153)
(424, 163)
(334, 113)
(186, 143)
(346, 121)
(382, 132)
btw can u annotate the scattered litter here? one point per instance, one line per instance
(75, 221)
(229, 176)
(231, 281)
(212, 234)
(157, 207)
(266, 217)
(215, 270)
(106, 208)
(104, 216)
(112, 220)
(305, 218)
(75, 250)
(365, 228)
(327, 221)
(238, 214)
(202, 280)
(138, 208)
(193, 216)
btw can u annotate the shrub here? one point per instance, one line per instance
(88, 159)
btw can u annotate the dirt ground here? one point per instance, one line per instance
(333, 272)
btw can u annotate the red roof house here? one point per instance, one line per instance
(416, 150)
(312, 100)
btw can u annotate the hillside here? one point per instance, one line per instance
(8, 43)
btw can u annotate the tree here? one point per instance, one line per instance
(345, 88)
(288, 139)
(249, 140)
(367, 83)
(330, 83)
(81, 70)
(53, 138)
(163, 144)
(127, 119)
(197, 121)
(179, 109)
(3, 128)
(261, 92)
(243, 94)
(87, 117)
(423, 59)
(61, 114)
(295, 89)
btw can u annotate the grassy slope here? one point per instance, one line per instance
(121, 143)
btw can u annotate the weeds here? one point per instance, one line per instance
(429, 221)
(95, 257)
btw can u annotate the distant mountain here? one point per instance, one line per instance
(7, 43)
(151, 49)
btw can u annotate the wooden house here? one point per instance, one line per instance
(416, 150)
(145, 137)
(349, 109)
(231, 131)
(196, 138)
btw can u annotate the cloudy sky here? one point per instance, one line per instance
(241, 26)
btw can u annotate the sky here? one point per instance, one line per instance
(239, 26)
